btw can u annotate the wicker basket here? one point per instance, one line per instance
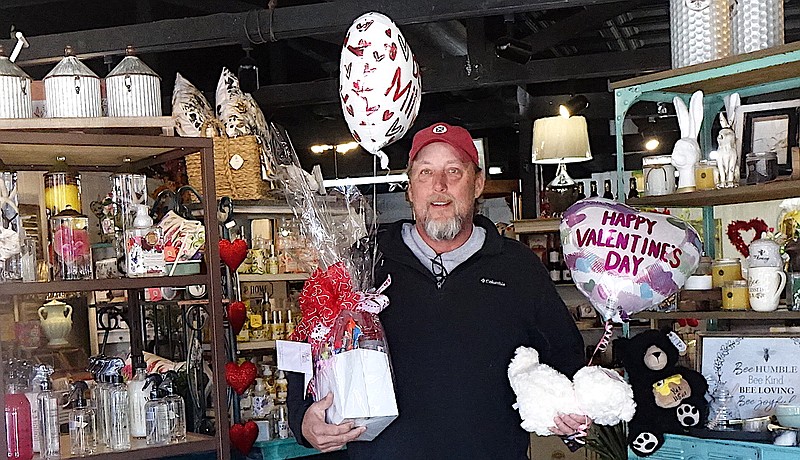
(244, 183)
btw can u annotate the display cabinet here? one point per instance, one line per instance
(37, 151)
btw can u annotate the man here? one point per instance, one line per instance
(463, 298)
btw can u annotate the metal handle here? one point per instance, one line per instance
(77, 84)
(127, 82)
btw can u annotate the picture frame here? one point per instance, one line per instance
(768, 126)
(759, 369)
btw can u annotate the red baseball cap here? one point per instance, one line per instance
(456, 136)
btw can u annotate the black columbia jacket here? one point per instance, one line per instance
(450, 349)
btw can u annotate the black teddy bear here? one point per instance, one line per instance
(669, 398)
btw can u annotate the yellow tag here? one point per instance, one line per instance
(256, 321)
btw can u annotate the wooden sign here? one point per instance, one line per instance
(761, 371)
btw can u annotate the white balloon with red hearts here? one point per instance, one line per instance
(379, 83)
(623, 260)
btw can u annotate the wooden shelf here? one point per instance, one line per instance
(34, 151)
(776, 64)
(140, 450)
(536, 226)
(721, 314)
(114, 125)
(118, 284)
(256, 345)
(245, 278)
(775, 190)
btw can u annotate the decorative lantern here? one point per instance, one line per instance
(699, 31)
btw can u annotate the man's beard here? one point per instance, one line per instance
(445, 228)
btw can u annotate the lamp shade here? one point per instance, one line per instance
(560, 140)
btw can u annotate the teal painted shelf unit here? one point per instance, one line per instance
(677, 447)
(761, 72)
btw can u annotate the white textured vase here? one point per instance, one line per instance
(756, 25)
(56, 322)
(700, 31)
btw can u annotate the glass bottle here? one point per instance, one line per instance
(261, 401)
(281, 385)
(10, 226)
(47, 405)
(592, 189)
(82, 424)
(607, 190)
(255, 314)
(278, 329)
(581, 192)
(553, 259)
(156, 413)
(69, 243)
(118, 422)
(19, 431)
(289, 327)
(137, 398)
(144, 247)
(632, 191)
(176, 407)
(272, 263)
(281, 422)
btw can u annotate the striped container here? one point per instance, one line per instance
(756, 24)
(133, 89)
(700, 31)
(72, 90)
(15, 90)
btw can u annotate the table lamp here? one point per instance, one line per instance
(559, 140)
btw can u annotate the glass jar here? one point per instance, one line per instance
(723, 270)
(704, 266)
(761, 167)
(128, 191)
(69, 244)
(62, 188)
(11, 232)
(735, 295)
(704, 175)
(722, 410)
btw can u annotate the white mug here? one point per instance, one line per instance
(765, 285)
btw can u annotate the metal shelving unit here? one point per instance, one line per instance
(761, 72)
(36, 151)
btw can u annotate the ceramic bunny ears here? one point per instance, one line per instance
(732, 104)
(690, 119)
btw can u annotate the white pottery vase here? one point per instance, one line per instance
(56, 322)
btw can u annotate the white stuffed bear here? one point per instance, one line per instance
(543, 393)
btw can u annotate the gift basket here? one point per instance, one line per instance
(340, 306)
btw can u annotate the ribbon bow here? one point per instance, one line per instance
(325, 295)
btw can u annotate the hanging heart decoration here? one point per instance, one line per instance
(233, 253)
(737, 227)
(240, 376)
(237, 314)
(243, 436)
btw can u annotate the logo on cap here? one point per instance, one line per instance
(439, 129)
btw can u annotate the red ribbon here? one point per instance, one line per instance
(325, 295)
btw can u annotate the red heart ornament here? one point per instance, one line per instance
(233, 253)
(240, 377)
(237, 313)
(243, 436)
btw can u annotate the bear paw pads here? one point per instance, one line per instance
(646, 443)
(688, 415)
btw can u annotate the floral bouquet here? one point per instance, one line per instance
(339, 304)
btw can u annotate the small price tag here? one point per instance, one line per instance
(679, 344)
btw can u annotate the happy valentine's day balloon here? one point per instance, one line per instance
(379, 83)
(623, 260)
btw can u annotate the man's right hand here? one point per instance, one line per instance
(325, 436)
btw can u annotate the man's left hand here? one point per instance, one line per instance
(568, 424)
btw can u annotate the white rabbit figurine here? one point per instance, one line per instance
(728, 156)
(686, 152)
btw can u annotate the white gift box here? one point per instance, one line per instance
(362, 387)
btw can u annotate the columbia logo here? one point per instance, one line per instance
(493, 282)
